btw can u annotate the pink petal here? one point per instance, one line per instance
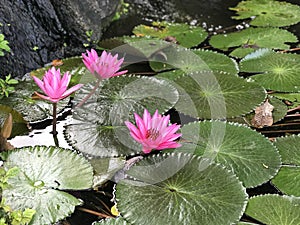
(141, 125)
(168, 145)
(46, 97)
(134, 132)
(120, 73)
(71, 90)
(39, 83)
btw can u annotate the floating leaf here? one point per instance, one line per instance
(274, 209)
(187, 61)
(44, 172)
(268, 12)
(293, 98)
(214, 95)
(112, 221)
(250, 155)
(278, 71)
(180, 189)
(100, 129)
(180, 33)
(251, 39)
(288, 178)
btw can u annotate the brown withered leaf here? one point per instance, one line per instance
(263, 115)
(7, 126)
(5, 133)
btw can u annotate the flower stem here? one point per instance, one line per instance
(90, 94)
(54, 132)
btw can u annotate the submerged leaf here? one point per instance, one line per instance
(268, 12)
(186, 190)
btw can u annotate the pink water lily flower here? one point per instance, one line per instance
(154, 133)
(55, 86)
(105, 66)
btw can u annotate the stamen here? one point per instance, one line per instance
(152, 134)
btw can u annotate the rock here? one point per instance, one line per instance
(40, 31)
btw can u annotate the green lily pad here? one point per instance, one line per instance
(268, 12)
(250, 155)
(217, 95)
(19, 124)
(288, 178)
(187, 61)
(274, 209)
(180, 189)
(44, 173)
(113, 221)
(99, 129)
(101, 140)
(251, 39)
(183, 34)
(294, 98)
(31, 110)
(276, 71)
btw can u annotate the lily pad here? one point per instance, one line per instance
(112, 221)
(99, 129)
(44, 173)
(194, 60)
(180, 189)
(31, 109)
(268, 12)
(251, 39)
(250, 155)
(275, 71)
(274, 209)
(217, 95)
(293, 98)
(288, 178)
(183, 34)
(101, 140)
